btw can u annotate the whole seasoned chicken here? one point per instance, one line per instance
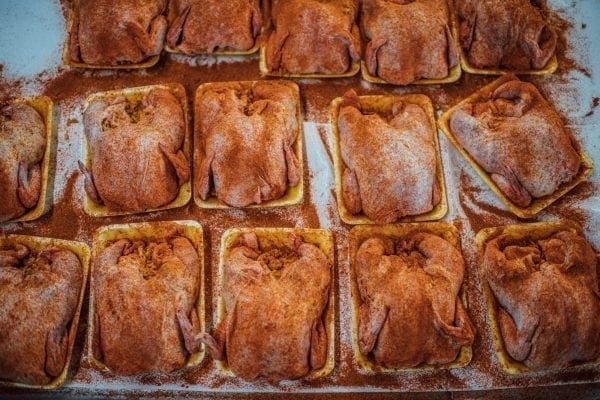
(144, 291)
(549, 314)
(390, 161)
(39, 293)
(108, 32)
(408, 40)
(275, 300)
(519, 139)
(313, 36)
(508, 34)
(205, 26)
(136, 146)
(22, 145)
(247, 134)
(411, 312)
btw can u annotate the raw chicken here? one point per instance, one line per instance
(22, 145)
(247, 134)
(549, 314)
(411, 313)
(144, 291)
(519, 139)
(390, 161)
(275, 300)
(313, 36)
(508, 34)
(108, 32)
(136, 146)
(408, 40)
(205, 26)
(38, 299)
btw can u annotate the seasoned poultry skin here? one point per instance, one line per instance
(136, 147)
(113, 33)
(548, 296)
(390, 161)
(408, 40)
(246, 134)
(39, 293)
(313, 36)
(145, 294)
(22, 145)
(206, 26)
(411, 312)
(516, 136)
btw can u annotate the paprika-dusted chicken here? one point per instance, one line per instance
(111, 33)
(22, 145)
(275, 299)
(38, 299)
(549, 299)
(206, 26)
(509, 34)
(143, 292)
(246, 132)
(519, 139)
(313, 36)
(411, 312)
(136, 147)
(390, 160)
(408, 40)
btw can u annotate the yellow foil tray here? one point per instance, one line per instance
(381, 104)
(533, 231)
(537, 204)
(265, 71)
(279, 237)
(45, 107)
(67, 52)
(82, 251)
(106, 235)
(293, 194)
(357, 236)
(185, 191)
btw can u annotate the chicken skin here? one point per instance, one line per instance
(22, 145)
(39, 294)
(549, 299)
(246, 132)
(203, 26)
(519, 139)
(390, 161)
(144, 291)
(136, 146)
(509, 34)
(411, 312)
(408, 40)
(111, 33)
(275, 300)
(313, 36)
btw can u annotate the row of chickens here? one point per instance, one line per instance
(405, 41)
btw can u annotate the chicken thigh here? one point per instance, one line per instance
(547, 290)
(390, 161)
(508, 34)
(22, 145)
(144, 291)
(247, 134)
(108, 32)
(205, 26)
(39, 294)
(411, 312)
(313, 36)
(408, 40)
(136, 147)
(519, 139)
